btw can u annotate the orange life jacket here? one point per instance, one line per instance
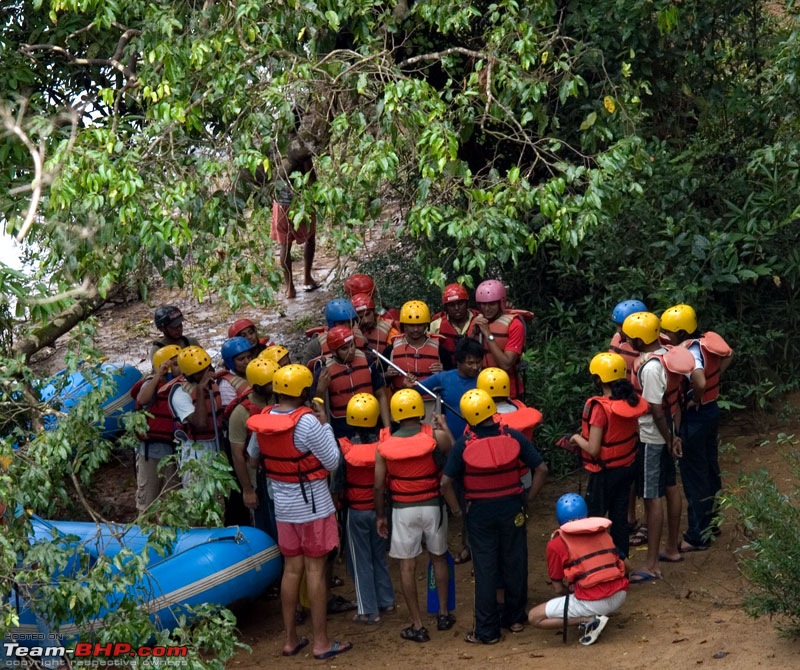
(377, 337)
(677, 362)
(491, 466)
(412, 471)
(593, 558)
(618, 447)
(359, 473)
(414, 360)
(449, 334)
(214, 413)
(161, 425)
(525, 419)
(346, 381)
(282, 460)
(499, 329)
(624, 349)
(713, 348)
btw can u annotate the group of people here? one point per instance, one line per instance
(394, 422)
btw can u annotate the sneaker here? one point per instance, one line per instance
(592, 630)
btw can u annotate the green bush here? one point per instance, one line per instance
(769, 521)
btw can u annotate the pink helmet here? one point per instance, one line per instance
(491, 290)
(359, 284)
(454, 293)
(338, 336)
(362, 302)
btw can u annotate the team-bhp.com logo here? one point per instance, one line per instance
(91, 652)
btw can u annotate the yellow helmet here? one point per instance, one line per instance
(608, 366)
(164, 354)
(274, 353)
(644, 325)
(260, 371)
(495, 382)
(679, 317)
(476, 406)
(415, 311)
(363, 410)
(406, 403)
(193, 359)
(292, 380)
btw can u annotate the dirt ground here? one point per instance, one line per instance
(691, 618)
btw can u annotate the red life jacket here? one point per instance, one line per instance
(214, 413)
(346, 381)
(491, 466)
(618, 446)
(499, 329)
(377, 337)
(449, 335)
(525, 419)
(359, 473)
(282, 460)
(593, 558)
(414, 360)
(713, 348)
(624, 349)
(677, 362)
(412, 471)
(161, 425)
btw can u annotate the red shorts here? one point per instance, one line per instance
(282, 229)
(314, 538)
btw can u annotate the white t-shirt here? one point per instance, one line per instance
(653, 378)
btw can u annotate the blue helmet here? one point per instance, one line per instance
(338, 310)
(625, 308)
(569, 507)
(232, 348)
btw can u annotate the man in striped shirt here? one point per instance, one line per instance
(298, 450)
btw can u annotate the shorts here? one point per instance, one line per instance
(656, 471)
(313, 538)
(554, 609)
(282, 229)
(411, 524)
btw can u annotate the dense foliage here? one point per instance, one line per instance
(584, 152)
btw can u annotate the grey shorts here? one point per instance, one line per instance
(652, 475)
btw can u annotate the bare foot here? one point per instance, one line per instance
(291, 294)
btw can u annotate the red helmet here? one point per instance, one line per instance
(362, 302)
(454, 293)
(238, 326)
(338, 336)
(359, 284)
(491, 290)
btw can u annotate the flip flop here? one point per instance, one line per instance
(686, 548)
(463, 556)
(336, 649)
(473, 639)
(301, 644)
(642, 576)
(666, 559)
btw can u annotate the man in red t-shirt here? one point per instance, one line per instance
(581, 601)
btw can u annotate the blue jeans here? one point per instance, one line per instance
(366, 561)
(500, 558)
(700, 470)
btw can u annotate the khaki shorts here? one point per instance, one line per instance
(411, 524)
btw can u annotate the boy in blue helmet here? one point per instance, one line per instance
(585, 570)
(236, 353)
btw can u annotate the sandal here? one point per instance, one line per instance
(337, 605)
(415, 634)
(367, 619)
(463, 556)
(445, 621)
(639, 537)
(472, 639)
(516, 627)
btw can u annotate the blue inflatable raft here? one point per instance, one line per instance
(64, 391)
(205, 565)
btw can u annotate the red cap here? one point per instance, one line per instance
(238, 326)
(338, 336)
(362, 302)
(454, 293)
